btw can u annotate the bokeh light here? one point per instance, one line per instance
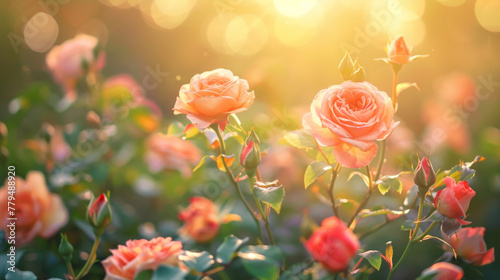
(169, 14)
(298, 31)
(451, 3)
(488, 14)
(294, 8)
(40, 32)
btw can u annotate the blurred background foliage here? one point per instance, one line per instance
(288, 51)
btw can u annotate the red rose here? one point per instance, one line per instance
(333, 245)
(453, 201)
(444, 271)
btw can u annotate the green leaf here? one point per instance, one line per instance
(366, 214)
(373, 257)
(404, 86)
(169, 272)
(198, 261)
(270, 195)
(202, 161)
(301, 139)
(314, 171)
(175, 128)
(20, 275)
(389, 182)
(434, 217)
(365, 178)
(144, 275)
(226, 250)
(262, 261)
(408, 225)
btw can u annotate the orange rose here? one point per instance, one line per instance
(444, 271)
(38, 212)
(65, 61)
(201, 219)
(469, 244)
(398, 51)
(333, 245)
(128, 261)
(350, 117)
(165, 151)
(212, 96)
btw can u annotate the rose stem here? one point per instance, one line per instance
(264, 214)
(92, 257)
(335, 172)
(222, 151)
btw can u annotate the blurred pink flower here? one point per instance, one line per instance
(201, 219)
(444, 271)
(165, 151)
(66, 61)
(38, 212)
(285, 164)
(212, 96)
(350, 117)
(128, 261)
(59, 149)
(469, 244)
(457, 88)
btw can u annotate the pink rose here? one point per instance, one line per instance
(469, 244)
(398, 51)
(201, 219)
(65, 61)
(350, 117)
(453, 201)
(165, 151)
(38, 212)
(128, 261)
(333, 245)
(58, 147)
(212, 96)
(444, 271)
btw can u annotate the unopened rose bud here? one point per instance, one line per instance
(346, 67)
(99, 213)
(358, 75)
(398, 51)
(424, 174)
(65, 248)
(93, 119)
(250, 154)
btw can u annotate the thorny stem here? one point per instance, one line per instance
(222, 151)
(335, 172)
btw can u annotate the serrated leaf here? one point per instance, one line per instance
(314, 171)
(389, 182)
(198, 261)
(373, 257)
(202, 161)
(408, 225)
(404, 86)
(263, 262)
(169, 272)
(271, 195)
(300, 139)
(226, 250)
(365, 178)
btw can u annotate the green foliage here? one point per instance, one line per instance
(271, 195)
(373, 257)
(408, 225)
(390, 182)
(263, 262)
(314, 171)
(169, 272)
(225, 252)
(301, 139)
(197, 261)
(20, 275)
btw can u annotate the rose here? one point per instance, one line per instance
(201, 219)
(99, 212)
(212, 96)
(398, 51)
(350, 117)
(66, 61)
(58, 147)
(38, 212)
(333, 245)
(453, 201)
(128, 261)
(424, 174)
(165, 151)
(444, 271)
(469, 244)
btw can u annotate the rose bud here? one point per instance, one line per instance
(65, 248)
(444, 271)
(99, 213)
(333, 245)
(470, 246)
(453, 201)
(3, 133)
(250, 154)
(398, 51)
(346, 67)
(424, 174)
(201, 219)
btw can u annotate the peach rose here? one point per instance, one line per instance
(398, 51)
(444, 271)
(350, 117)
(65, 61)
(128, 261)
(58, 147)
(38, 212)
(165, 151)
(212, 96)
(469, 245)
(333, 245)
(201, 219)
(453, 201)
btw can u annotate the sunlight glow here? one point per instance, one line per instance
(294, 8)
